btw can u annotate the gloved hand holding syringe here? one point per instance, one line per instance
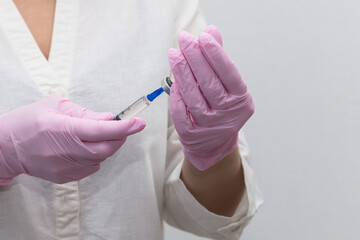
(145, 101)
(57, 130)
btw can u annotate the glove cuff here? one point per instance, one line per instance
(207, 159)
(6, 181)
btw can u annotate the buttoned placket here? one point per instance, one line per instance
(50, 77)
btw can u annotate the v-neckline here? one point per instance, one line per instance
(50, 75)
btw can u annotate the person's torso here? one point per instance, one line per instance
(104, 55)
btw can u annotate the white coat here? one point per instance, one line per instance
(104, 55)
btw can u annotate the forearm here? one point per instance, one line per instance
(219, 188)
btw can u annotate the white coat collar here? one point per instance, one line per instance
(51, 76)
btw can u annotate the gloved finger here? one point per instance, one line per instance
(210, 84)
(187, 84)
(99, 151)
(71, 109)
(222, 64)
(180, 115)
(96, 130)
(215, 32)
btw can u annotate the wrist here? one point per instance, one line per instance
(220, 188)
(229, 165)
(204, 160)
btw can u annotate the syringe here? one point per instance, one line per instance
(145, 101)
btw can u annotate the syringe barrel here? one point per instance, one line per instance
(144, 101)
(133, 109)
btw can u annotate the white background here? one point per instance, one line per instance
(301, 61)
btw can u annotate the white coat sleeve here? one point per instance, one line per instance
(181, 209)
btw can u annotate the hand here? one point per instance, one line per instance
(209, 102)
(57, 140)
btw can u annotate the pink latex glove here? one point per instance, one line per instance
(57, 140)
(209, 102)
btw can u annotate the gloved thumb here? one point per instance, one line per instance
(71, 109)
(96, 130)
